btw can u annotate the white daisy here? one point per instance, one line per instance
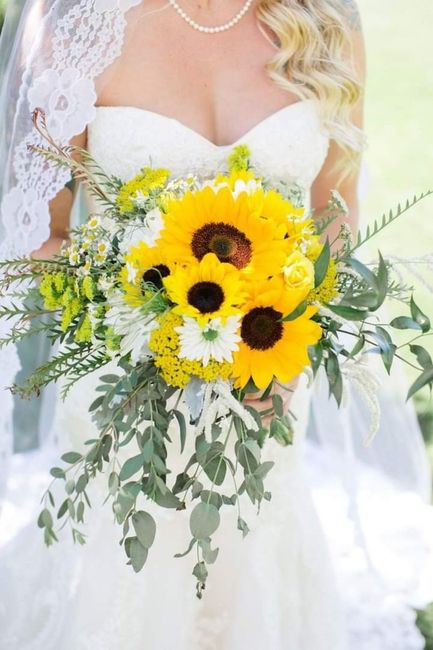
(216, 340)
(137, 231)
(132, 326)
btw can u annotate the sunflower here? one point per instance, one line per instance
(216, 221)
(143, 273)
(209, 289)
(271, 348)
(273, 207)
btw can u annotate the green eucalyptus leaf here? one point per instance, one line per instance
(264, 469)
(113, 483)
(204, 520)
(423, 357)
(110, 379)
(57, 472)
(243, 526)
(209, 555)
(425, 379)
(45, 519)
(405, 323)
(278, 405)
(182, 428)
(137, 553)
(131, 467)
(145, 528)
(419, 317)
(71, 457)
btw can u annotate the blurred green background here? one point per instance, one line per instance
(399, 159)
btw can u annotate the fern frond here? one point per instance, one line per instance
(65, 364)
(380, 224)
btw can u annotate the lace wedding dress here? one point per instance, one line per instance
(274, 589)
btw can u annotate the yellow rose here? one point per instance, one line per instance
(299, 273)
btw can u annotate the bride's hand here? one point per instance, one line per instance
(286, 391)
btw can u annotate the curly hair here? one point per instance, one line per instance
(313, 60)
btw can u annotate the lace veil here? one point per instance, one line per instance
(54, 58)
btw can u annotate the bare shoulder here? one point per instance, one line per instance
(351, 13)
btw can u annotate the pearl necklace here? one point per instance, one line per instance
(211, 30)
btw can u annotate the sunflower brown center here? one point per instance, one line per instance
(156, 274)
(262, 328)
(207, 297)
(227, 242)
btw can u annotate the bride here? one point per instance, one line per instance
(177, 84)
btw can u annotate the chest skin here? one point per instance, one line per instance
(216, 84)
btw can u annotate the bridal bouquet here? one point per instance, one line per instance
(198, 292)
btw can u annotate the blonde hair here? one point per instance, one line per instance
(313, 60)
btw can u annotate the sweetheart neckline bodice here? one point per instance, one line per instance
(160, 116)
(290, 144)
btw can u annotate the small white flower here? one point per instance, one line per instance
(248, 187)
(137, 231)
(338, 202)
(68, 100)
(105, 284)
(132, 326)
(132, 272)
(215, 341)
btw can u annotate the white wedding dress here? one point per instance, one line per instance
(275, 589)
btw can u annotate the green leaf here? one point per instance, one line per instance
(386, 346)
(382, 281)
(423, 380)
(113, 483)
(80, 512)
(211, 497)
(364, 272)
(264, 469)
(282, 433)
(216, 469)
(315, 352)
(81, 484)
(419, 317)
(200, 572)
(349, 313)
(243, 526)
(96, 404)
(69, 486)
(145, 528)
(45, 520)
(57, 472)
(188, 550)
(148, 450)
(109, 379)
(131, 467)
(182, 428)
(405, 323)
(423, 357)
(71, 457)
(136, 552)
(296, 313)
(322, 264)
(278, 405)
(204, 520)
(335, 379)
(209, 555)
